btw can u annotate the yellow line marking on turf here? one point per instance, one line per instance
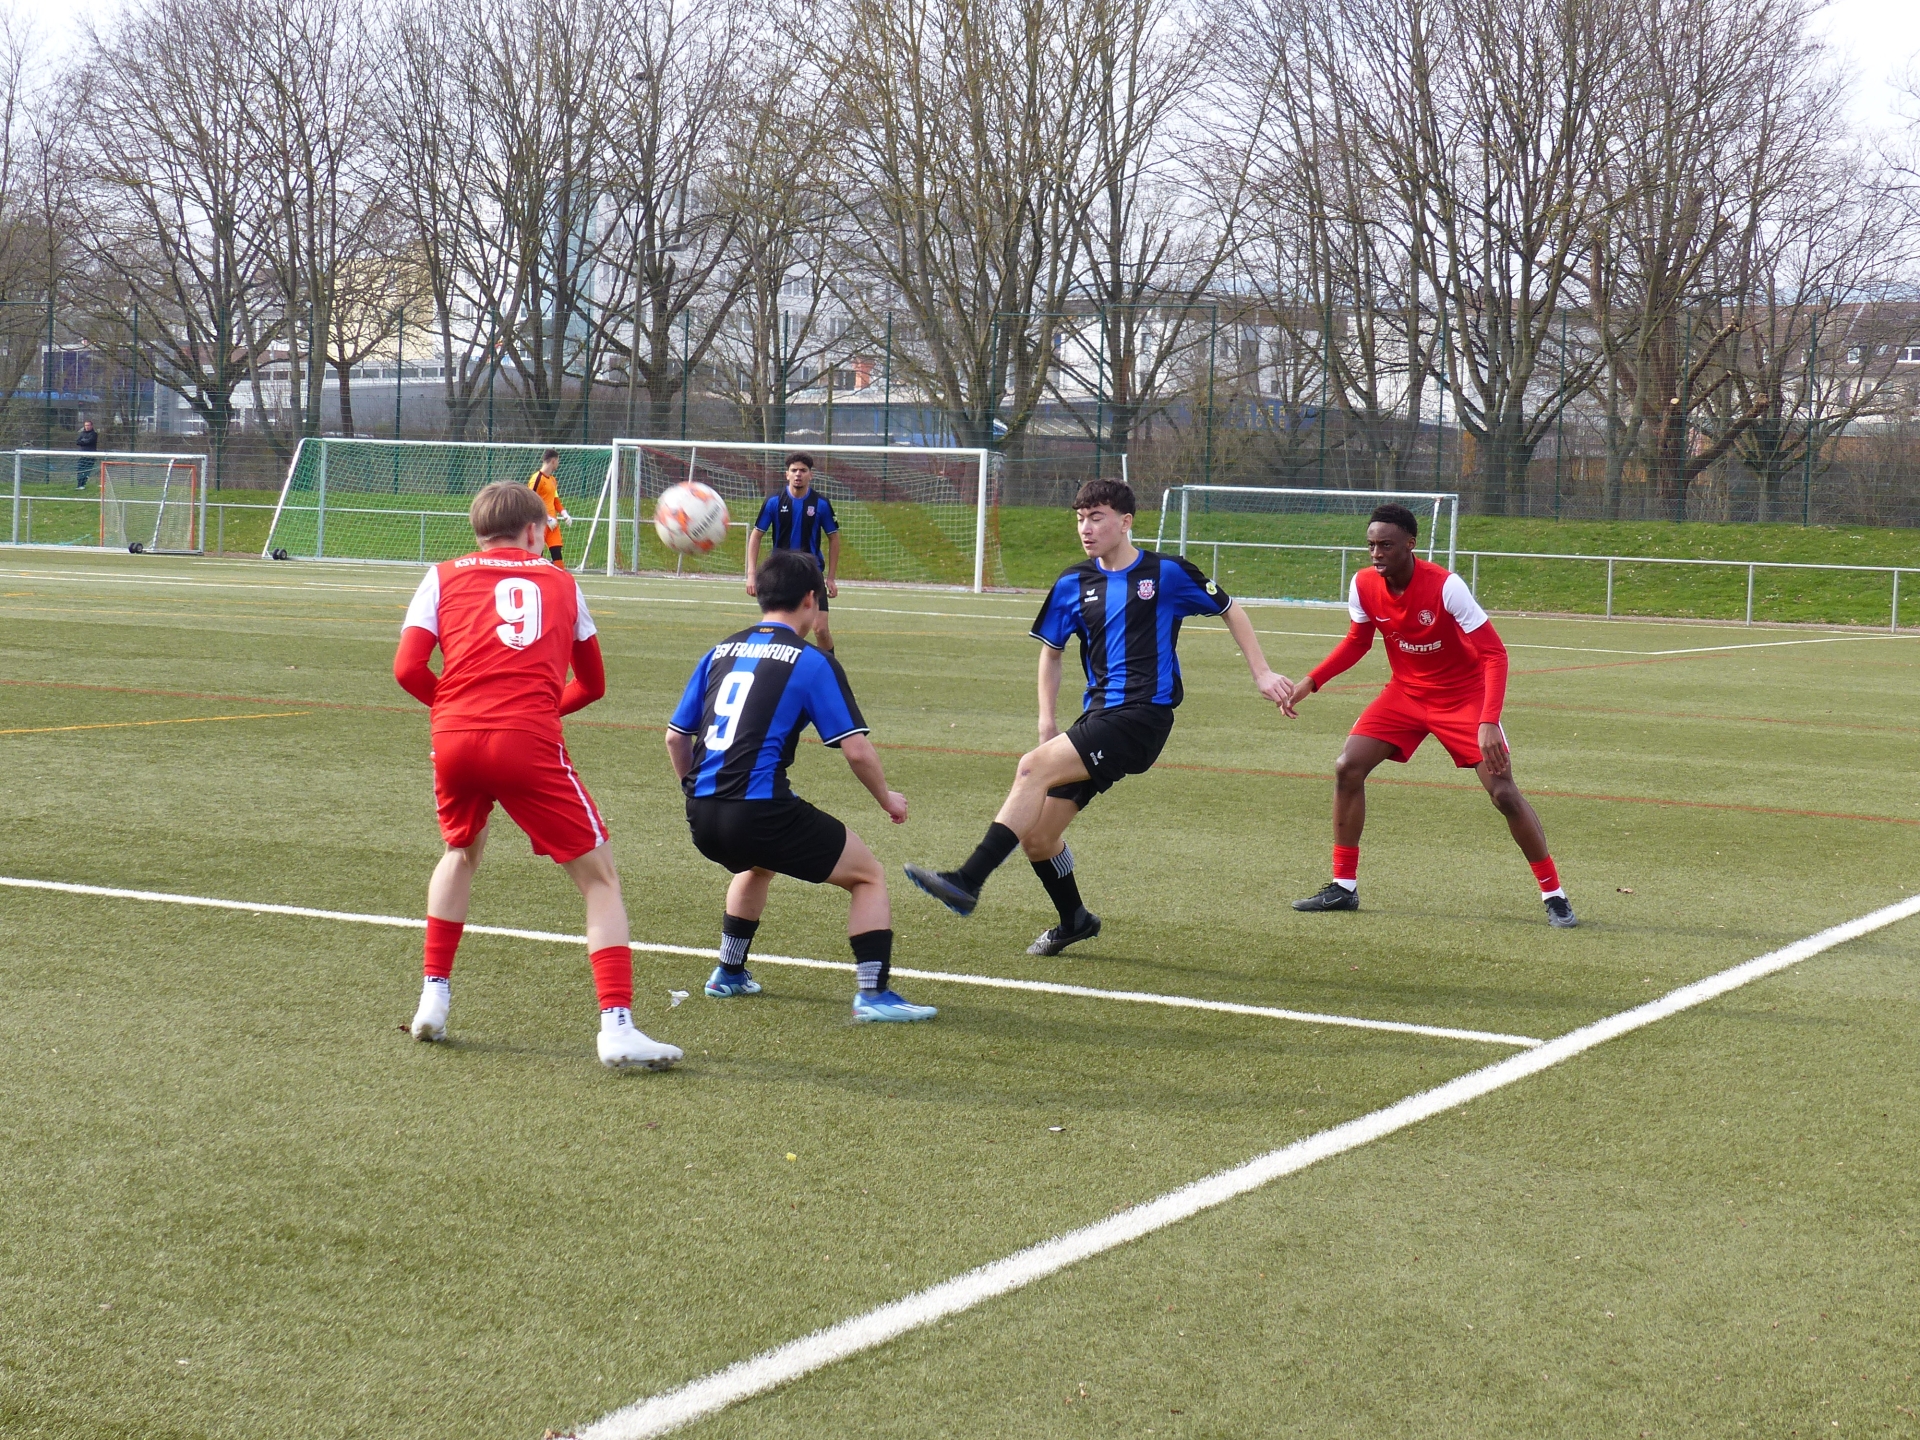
(134, 724)
(670, 1410)
(993, 982)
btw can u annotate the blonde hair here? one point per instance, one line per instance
(503, 509)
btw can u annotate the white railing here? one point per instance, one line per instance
(1472, 559)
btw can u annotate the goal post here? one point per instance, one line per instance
(1293, 545)
(915, 513)
(110, 499)
(405, 501)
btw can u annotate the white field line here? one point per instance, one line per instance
(991, 982)
(672, 1409)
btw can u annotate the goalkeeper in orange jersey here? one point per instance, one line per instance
(545, 483)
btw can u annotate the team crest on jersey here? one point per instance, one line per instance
(1426, 617)
(809, 509)
(1146, 590)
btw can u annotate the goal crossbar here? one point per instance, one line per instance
(1177, 501)
(693, 453)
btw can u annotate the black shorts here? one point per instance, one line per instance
(821, 593)
(1124, 740)
(789, 836)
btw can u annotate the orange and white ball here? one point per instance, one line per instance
(690, 518)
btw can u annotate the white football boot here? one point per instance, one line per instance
(430, 1020)
(624, 1048)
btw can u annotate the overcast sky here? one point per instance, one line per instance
(1880, 39)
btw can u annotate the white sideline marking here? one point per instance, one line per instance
(991, 982)
(671, 1409)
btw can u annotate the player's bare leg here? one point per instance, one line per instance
(746, 903)
(1359, 758)
(822, 636)
(449, 892)
(1041, 769)
(610, 953)
(1046, 850)
(1523, 821)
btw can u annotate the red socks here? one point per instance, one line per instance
(443, 938)
(1547, 875)
(613, 976)
(1346, 865)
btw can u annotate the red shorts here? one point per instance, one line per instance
(1403, 722)
(529, 775)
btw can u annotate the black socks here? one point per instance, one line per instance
(736, 935)
(987, 855)
(1057, 875)
(872, 958)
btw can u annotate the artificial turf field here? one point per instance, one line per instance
(236, 1201)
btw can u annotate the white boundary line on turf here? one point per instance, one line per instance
(670, 1410)
(991, 982)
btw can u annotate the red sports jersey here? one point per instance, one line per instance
(507, 622)
(1440, 646)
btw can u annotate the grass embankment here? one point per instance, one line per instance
(1036, 544)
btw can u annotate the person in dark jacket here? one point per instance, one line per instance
(87, 441)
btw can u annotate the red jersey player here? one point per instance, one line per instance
(508, 625)
(1449, 681)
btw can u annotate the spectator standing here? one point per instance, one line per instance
(87, 441)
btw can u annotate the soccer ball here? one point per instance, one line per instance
(690, 518)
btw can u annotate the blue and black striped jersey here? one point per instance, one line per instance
(746, 704)
(798, 524)
(1128, 622)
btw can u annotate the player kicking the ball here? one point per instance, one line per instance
(731, 740)
(1449, 681)
(1126, 605)
(509, 624)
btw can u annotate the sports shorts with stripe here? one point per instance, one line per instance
(532, 779)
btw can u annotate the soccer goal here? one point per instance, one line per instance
(405, 501)
(110, 499)
(920, 513)
(1296, 546)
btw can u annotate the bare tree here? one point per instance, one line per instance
(965, 122)
(175, 214)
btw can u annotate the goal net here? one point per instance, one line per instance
(916, 513)
(1298, 546)
(406, 500)
(117, 499)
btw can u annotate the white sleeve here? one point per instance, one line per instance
(423, 611)
(1355, 610)
(583, 626)
(1461, 604)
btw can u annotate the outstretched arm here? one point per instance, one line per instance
(1275, 686)
(1351, 650)
(589, 681)
(864, 761)
(410, 666)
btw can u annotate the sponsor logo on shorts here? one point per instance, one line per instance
(1146, 589)
(1426, 617)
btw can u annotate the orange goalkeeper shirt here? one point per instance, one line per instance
(548, 489)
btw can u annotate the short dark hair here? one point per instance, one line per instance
(1116, 495)
(1395, 515)
(547, 455)
(799, 457)
(785, 579)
